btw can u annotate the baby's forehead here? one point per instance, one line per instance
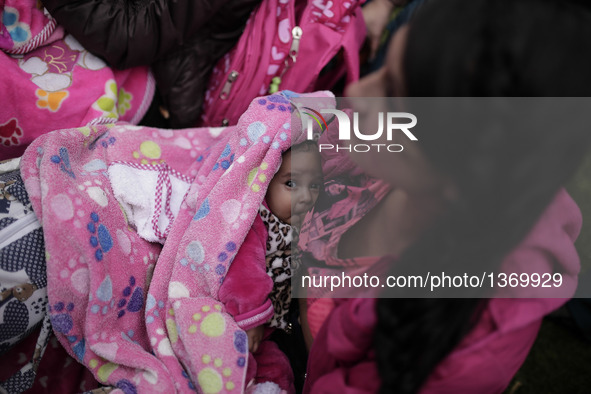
(310, 150)
(306, 161)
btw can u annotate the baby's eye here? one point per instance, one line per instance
(315, 186)
(290, 183)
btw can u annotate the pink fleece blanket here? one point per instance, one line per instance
(140, 318)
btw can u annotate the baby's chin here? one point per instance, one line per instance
(296, 220)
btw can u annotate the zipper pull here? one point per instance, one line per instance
(296, 33)
(228, 85)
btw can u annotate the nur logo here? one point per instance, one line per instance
(391, 120)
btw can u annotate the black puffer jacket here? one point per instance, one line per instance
(181, 39)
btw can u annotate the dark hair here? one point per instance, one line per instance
(486, 48)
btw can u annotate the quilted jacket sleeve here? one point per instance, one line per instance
(181, 39)
(135, 32)
(246, 287)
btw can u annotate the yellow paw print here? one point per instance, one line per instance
(50, 100)
(107, 104)
(256, 177)
(104, 371)
(209, 321)
(124, 102)
(150, 151)
(211, 378)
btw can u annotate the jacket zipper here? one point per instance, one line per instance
(296, 34)
(227, 88)
(231, 82)
(249, 72)
(228, 85)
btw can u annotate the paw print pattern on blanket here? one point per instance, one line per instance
(189, 382)
(62, 322)
(211, 322)
(148, 153)
(220, 269)
(133, 303)
(203, 210)
(153, 308)
(126, 386)
(104, 294)
(211, 378)
(128, 336)
(63, 160)
(100, 238)
(95, 167)
(255, 131)
(275, 102)
(204, 156)
(95, 191)
(226, 159)
(196, 254)
(105, 140)
(241, 346)
(258, 176)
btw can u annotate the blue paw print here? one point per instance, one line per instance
(128, 336)
(289, 94)
(134, 303)
(108, 142)
(226, 159)
(60, 317)
(62, 322)
(156, 306)
(126, 386)
(275, 102)
(220, 269)
(203, 210)
(100, 237)
(200, 158)
(103, 140)
(189, 383)
(240, 342)
(63, 159)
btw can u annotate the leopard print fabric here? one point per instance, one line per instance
(279, 266)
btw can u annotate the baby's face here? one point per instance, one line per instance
(296, 186)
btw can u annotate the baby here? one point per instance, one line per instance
(257, 285)
(256, 289)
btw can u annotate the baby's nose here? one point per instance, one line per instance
(305, 196)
